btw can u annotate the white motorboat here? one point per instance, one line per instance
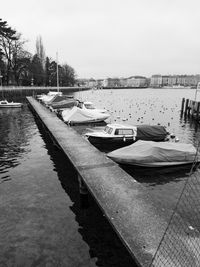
(113, 134)
(119, 135)
(6, 104)
(155, 154)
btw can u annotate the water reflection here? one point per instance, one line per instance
(158, 176)
(104, 245)
(15, 131)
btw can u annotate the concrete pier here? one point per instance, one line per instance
(127, 205)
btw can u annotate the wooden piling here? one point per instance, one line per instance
(198, 109)
(186, 106)
(182, 105)
(193, 108)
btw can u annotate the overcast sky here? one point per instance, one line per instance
(112, 38)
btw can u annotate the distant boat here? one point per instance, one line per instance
(156, 154)
(6, 104)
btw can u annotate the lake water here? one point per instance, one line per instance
(147, 106)
(41, 221)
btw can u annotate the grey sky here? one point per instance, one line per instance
(112, 38)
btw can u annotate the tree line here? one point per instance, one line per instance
(20, 67)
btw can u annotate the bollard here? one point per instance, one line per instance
(84, 202)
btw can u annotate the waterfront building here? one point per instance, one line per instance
(192, 80)
(99, 83)
(137, 82)
(123, 82)
(165, 80)
(172, 80)
(141, 81)
(156, 81)
(111, 82)
(182, 80)
(92, 83)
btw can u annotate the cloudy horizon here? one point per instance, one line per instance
(101, 39)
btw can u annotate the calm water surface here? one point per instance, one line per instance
(41, 220)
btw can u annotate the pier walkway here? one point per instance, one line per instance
(129, 208)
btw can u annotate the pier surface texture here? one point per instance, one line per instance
(125, 202)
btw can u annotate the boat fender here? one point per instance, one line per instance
(172, 136)
(124, 138)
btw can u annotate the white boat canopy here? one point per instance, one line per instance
(77, 115)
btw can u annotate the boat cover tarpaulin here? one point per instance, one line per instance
(148, 152)
(57, 98)
(151, 132)
(77, 115)
(67, 103)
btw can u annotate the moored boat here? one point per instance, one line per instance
(6, 104)
(47, 98)
(156, 154)
(77, 115)
(119, 135)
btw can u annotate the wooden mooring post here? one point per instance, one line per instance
(190, 108)
(182, 105)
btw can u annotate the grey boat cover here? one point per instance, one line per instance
(77, 115)
(67, 103)
(150, 152)
(151, 132)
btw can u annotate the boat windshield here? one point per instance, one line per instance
(108, 129)
(89, 106)
(4, 102)
(124, 132)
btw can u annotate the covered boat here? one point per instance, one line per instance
(47, 98)
(62, 101)
(151, 132)
(156, 154)
(78, 115)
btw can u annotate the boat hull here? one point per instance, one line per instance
(110, 140)
(155, 164)
(156, 154)
(76, 122)
(11, 106)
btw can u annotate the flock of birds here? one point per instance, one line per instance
(145, 106)
(135, 110)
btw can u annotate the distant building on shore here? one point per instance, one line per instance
(137, 82)
(175, 81)
(155, 81)
(111, 82)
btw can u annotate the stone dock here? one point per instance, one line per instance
(133, 213)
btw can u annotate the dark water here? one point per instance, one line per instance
(41, 221)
